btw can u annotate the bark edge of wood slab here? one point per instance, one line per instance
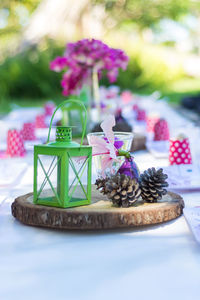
(99, 215)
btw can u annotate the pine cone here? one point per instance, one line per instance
(121, 189)
(100, 183)
(152, 184)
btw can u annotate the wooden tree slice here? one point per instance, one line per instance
(101, 214)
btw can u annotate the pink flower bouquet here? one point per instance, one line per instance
(81, 57)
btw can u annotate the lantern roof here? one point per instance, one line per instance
(63, 138)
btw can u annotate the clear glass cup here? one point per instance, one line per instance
(126, 137)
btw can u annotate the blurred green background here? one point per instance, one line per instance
(161, 38)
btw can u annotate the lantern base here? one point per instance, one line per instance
(52, 201)
(101, 214)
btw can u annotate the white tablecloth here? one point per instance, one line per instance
(154, 262)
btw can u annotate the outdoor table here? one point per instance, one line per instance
(152, 262)
(158, 262)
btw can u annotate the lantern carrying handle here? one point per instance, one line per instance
(82, 107)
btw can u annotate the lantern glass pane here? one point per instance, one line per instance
(47, 177)
(78, 170)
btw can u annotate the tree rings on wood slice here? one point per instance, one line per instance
(101, 214)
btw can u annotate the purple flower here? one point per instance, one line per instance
(58, 64)
(102, 105)
(81, 57)
(112, 75)
(117, 143)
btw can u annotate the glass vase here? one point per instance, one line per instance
(94, 108)
(125, 137)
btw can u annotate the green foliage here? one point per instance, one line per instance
(145, 13)
(27, 74)
(148, 70)
(14, 16)
(181, 88)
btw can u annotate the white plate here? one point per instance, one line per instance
(183, 177)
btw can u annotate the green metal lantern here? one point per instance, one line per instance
(62, 168)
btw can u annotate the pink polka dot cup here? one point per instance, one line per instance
(179, 152)
(28, 132)
(15, 143)
(141, 115)
(49, 108)
(40, 121)
(135, 107)
(151, 121)
(126, 96)
(161, 130)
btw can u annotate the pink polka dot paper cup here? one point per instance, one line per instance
(141, 115)
(40, 121)
(179, 151)
(28, 132)
(151, 121)
(15, 143)
(161, 130)
(135, 108)
(126, 97)
(49, 108)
